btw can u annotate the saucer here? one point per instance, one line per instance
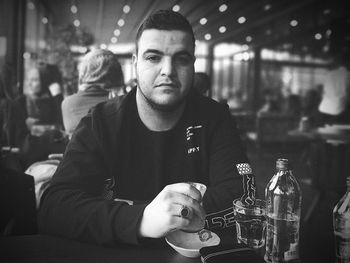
(188, 244)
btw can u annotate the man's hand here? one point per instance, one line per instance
(163, 214)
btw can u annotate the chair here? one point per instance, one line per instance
(42, 173)
(17, 203)
(271, 130)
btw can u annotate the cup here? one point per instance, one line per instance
(202, 188)
(250, 222)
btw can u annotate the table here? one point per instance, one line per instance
(44, 248)
(327, 154)
(322, 134)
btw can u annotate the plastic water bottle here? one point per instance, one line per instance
(283, 205)
(341, 226)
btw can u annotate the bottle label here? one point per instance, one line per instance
(292, 253)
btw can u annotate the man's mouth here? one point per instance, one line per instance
(166, 85)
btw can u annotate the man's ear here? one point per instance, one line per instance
(134, 60)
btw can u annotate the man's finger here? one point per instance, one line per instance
(186, 189)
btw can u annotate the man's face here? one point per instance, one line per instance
(164, 67)
(34, 86)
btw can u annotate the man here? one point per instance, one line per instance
(122, 179)
(100, 74)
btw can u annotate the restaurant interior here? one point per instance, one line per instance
(268, 60)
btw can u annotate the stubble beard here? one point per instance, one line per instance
(164, 108)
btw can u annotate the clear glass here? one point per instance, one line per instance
(341, 227)
(250, 222)
(283, 205)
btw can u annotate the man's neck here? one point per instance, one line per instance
(155, 119)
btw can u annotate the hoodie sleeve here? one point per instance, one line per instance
(74, 207)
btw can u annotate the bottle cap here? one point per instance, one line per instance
(282, 164)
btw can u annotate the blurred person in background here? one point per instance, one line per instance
(290, 103)
(42, 102)
(43, 96)
(335, 103)
(270, 102)
(12, 114)
(100, 78)
(310, 103)
(202, 83)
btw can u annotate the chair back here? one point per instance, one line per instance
(273, 128)
(42, 173)
(17, 203)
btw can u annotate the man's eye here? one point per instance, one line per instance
(153, 58)
(183, 60)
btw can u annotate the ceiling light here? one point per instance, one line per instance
(103, 46)
(287, 46)
(176, 8)
(328, 32)
(207, 36)
(223, 8)
(222, 29)
(121, 22)
(293, 23)
(318, 36)
(126, 9)
(242, 20)
(203, 21)
(326, 11)
(74, 9)
(267, 7)
(114, 40)
(245, 56)
(26, 55)
(325, 48)
(44, 20)
(76, 23)
(248, 38)
(116, 32)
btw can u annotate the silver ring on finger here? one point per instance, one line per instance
(184, 212)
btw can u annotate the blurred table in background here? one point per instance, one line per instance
(327, 159)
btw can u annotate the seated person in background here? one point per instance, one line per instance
(44, 96)
(335, 106)
(100, 78)
(310, 102)
(202, 83)
(142, 148)
(270, 104)
(13, 129)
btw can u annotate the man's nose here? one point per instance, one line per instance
(167, 67)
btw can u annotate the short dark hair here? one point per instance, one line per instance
(165, 20)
